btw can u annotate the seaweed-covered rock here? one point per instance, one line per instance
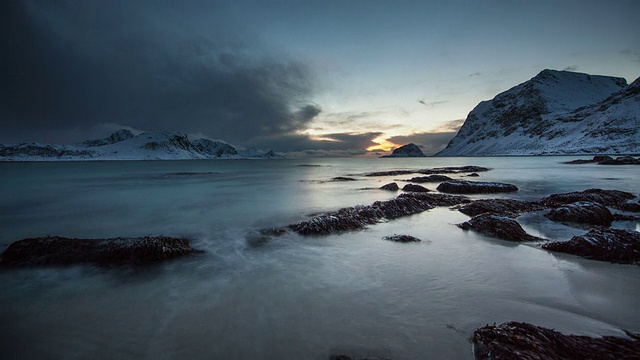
(430, 178)
(474, 187)
(604, 197)
(56, 250)
(499, 206)
(499, 226)
(516, 340)
(390, 186)
(438, 199)
(582, 212)
(415, 188)
(402, 238)
(613, 245)
(357, 217)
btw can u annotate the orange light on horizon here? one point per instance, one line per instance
(383, 144)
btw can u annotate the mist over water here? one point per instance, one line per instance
(294, 297)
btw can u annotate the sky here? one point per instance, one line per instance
(322, 78)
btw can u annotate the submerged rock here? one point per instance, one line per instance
(474, 175)
(474, 187)
(402, 238)
(582, 212)
(390, 186)
(430, 178)
(500, 226)
(613, 245)
(342, 178)
(415, 188)
(357, 217)
(605, 197)
(516, 340)
(56, 250)
(499, 206)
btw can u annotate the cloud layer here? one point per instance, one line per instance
(77, 65)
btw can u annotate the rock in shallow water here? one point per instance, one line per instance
(415, 188)
(390, 186)
(605, 197)
(474, 187)
(56, 250)
(499, 226)
(499, 206)
(516, 340)
(582, 212)
(402, 238)
(430, 178)
(613, 245)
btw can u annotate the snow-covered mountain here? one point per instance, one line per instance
(253, 153)
(555, 113)
(409, 150)
(123, 145)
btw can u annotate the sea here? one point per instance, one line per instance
(294, 297)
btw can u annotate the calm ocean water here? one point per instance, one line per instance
(295, 297)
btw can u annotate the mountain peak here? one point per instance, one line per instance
(549, 114)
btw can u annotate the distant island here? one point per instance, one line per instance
(124, 145)
(409, 150)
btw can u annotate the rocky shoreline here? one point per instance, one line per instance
(496, 218)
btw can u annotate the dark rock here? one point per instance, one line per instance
(628, 206)
(474, 187)
(454, 170)
(441, 170)
(601, 158)
(342, 178)
(604, 197)
(358, 217)
(622, 160)
(515, 340)
(56, 250)
(501, 226)
(415, 188)
(623, 217)
(579, 162)
(613, 245)
(391, 173)
(402, 238)
(437, 199)
(499, 206)
(430, 178)
(582, 212)
(391, 186)
(473, 175)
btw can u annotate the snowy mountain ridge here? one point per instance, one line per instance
(123, 145)
(554, 113)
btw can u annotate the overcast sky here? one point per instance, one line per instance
(304, 78)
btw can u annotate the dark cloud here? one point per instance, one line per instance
(429, 143)
(73, 66)
(571, 68)
(451, 125)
